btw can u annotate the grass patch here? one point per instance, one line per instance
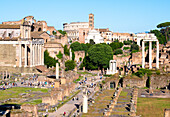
(15, 91)
(123, 93)
(152, 107)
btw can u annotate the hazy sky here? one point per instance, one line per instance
(117, 15)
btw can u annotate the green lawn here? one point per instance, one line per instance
(14, 92)
(152, 107)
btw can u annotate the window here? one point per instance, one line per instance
(91, 17)
(90, 24)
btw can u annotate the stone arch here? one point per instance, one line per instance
(39, 29)
(112, 85)
(32, 28)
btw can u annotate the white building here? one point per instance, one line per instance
(140, 36)
(95, 35)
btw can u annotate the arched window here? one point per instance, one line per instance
(39, 29)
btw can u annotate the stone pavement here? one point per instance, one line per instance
(67, 107)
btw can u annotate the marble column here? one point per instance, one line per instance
(3, 75)
(157, 54)
(85, 103)
(31, 55)
(40, 63)
(35, 54)
(25, 55)
(20, 55)
(110, 66)
(150, 54)
(57, 71)
(143, 54)
(42, 55)
(6, 74)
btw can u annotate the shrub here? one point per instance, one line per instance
(158, 72)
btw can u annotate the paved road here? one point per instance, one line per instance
(69, 106)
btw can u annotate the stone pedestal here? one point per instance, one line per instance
(57, 84)
(63, 80)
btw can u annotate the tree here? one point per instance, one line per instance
(66, 50)
(118, 51)
(76, 46)
(62, 32)
(116, 45)
(165, 26)
(160, 36)
(134, 48)
(70, 65)
(127, 42)
(92, 42)
(73, 55)
(48, 60)
(54, 32)
(59, 55)
(100, 55)
(84, 47)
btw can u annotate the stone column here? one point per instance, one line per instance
(20, 55)
(85, 103)
(157, 54)
(42, 55)
(31, 55)
(40, 63)
(143, 54)
(25, 55)
(3, 75)
(150, 54)
(70, 54)
(35, 54)
(110, 66)
(57, 71)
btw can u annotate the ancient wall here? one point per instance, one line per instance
(79, 54)
(30, 108)
(159, 81)
(134, 81)
(167, 113)
(7, 55)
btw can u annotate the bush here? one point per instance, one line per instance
(59, 55)
(66, 50)
(48, 60)
(127, 42)
(118, 51)
(158, 72)
(70, 65)
(126, 48)
(80, 59)
(142, 72)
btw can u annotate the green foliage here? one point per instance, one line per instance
(70, 65)
(127, 42)
(100, 55)
(88, 64)
(126, 48)
(163, 25)
(118, 51)
(158, 72)
(84, 47)
(66, 50)
(54, 32)
(62, 32)
(134, 48)
(116, 45)
(48, 60)
(160, 36)
(76, 46)
(103, 82)
(59, 55)
(80, 59)
(141, 72)
(92, 42)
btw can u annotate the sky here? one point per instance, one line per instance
(130, 16)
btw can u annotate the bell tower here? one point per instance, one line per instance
(91, 21)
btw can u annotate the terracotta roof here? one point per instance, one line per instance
(36, 35)
(7, 26)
